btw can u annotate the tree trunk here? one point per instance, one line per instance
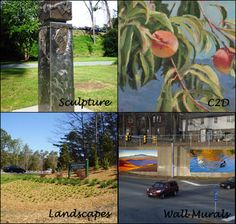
(92, 19)
(108, 13)
(26, 56)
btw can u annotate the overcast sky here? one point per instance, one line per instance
(81, 16)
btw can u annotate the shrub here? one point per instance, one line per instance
(86, 181)
(106, 164)
(59, 175)
(114, 185)
(110, 43)
(109, 182)
(80, 174)
(103, 184)
(42, 175)
(93, 182)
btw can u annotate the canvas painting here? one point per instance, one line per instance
(176, 56)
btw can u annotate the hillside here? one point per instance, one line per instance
(81, 42)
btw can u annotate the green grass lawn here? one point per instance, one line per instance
(7, 178)
(76, 59)
(19, 87)
(94, 58)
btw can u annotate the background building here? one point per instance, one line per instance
(209, 127)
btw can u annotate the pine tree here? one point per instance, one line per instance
(64, 158)
(107, 147)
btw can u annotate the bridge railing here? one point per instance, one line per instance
(187, 140)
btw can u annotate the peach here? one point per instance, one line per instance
(164, 44)
(223, 59)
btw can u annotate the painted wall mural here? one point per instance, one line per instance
(138, 160)
(210, 160)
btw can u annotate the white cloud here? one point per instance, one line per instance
(81, 17)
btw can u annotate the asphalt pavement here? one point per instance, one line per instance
(136, 207)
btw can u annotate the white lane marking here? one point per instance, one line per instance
(229, 219)
(194, 184)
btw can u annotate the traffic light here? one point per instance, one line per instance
(144, 139)
(127, 137)
(154, 139)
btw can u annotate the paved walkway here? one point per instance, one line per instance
(35, 65)
(35, 109)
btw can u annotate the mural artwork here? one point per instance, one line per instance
(210, 160)
(138, 160)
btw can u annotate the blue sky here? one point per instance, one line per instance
(35, 129)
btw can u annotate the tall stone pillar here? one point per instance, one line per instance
(55, 79)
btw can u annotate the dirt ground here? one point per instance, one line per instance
(30, 202)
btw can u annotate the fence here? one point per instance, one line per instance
(188, 140)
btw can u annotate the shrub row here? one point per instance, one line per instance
(74, 182)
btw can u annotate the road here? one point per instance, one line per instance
(35, 65)
(136, 207)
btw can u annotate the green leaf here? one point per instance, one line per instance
(207, 71)
(143, 36)
(188, 104)
(216, 90)
(145, 77)
(167, 99)
(139, 12)
(162, 19)
(191, 22)
(126, 43)
(177, 100)
(162, 7)
(189, 7)
(215, 40)
(168, 75)
(230, 33)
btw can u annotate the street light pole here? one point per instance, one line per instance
(173, 159)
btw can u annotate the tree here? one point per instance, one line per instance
(188, 84)
(107, 147)
(110, 42)
(94, 158)
(19, 26)
(109, 20)
(92, 8)
(35, 161)
(64, 157)
(26, 155)
(51, 161)
(86, 131)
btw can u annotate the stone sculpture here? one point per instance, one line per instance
(55, 56)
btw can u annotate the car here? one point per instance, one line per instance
(163, 188)
(229, 183)
(13, 169)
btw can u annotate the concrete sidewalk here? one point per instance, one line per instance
(35, 109)
(35, 65)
